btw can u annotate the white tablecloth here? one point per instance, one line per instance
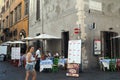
(105, 63)
(45, 64)
(49, 63)
(62, 62)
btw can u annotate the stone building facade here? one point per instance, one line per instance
(56, 17)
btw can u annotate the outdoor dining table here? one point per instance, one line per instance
(48, 63)
(62, 62)
(45, 64)
(105, 63)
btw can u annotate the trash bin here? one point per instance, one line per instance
(2, 57)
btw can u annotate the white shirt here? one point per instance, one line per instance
(49, 54)
(38, 53)
(57, 54)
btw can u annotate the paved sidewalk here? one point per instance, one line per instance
(9, 72)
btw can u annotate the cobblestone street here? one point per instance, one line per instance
(9, 72)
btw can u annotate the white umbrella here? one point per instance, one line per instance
(27, 38)
(46, 36)
(4, 44)
(18, 42)
(9, 42)
(14, 42)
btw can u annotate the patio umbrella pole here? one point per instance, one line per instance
(111, 48)
(43, 46)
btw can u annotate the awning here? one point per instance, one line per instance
(27, 39)
(116, 37)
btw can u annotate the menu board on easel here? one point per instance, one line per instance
(74, 51)
(15, 53)
(74, 58)
(73, 69)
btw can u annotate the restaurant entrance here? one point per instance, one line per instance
(65, 39)
(109, 46)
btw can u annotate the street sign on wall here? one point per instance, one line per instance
(94, 5)
(76, 30)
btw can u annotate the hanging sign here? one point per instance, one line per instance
(76, 30)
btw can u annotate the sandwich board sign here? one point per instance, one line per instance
(74, 58)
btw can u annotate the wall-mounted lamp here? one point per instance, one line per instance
(20, 33)
(37, 34)
(63, 30)
(92, 26)
(89, 11)
(110, 28)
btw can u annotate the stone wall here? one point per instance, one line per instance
(109, 17)
(65, 15)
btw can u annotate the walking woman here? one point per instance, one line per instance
(30, 63)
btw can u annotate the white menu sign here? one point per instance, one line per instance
(74, 51)
(15, 54)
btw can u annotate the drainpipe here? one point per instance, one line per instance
(42, 16)
(42, 23)
(28, 16)
(81, 25)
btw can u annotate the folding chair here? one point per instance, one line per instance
(112, 65)
(55, 65)
(100, 63)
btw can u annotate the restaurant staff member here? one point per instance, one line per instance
(38, 56)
